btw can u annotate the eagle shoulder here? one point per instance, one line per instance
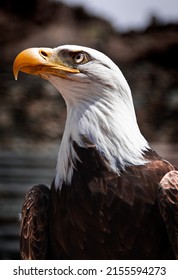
(168, 203)
(35, 223)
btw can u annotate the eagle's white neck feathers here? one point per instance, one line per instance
(101, 110)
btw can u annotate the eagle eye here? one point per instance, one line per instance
(79, 57)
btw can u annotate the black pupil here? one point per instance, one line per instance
(78, 56)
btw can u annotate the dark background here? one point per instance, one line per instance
(32, 112)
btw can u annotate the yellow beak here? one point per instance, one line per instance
(41, 61)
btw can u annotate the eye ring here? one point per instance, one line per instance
(79, 57)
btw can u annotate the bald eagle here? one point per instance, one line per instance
(112, 197)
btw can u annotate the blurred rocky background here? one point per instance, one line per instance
(32, 112)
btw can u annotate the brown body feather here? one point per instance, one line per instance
(35, 224)
(102, 215)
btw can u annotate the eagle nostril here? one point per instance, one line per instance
(43, 53)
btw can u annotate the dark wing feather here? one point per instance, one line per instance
(169, 206)
(35, 223)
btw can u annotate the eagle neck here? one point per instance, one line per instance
(110, 125)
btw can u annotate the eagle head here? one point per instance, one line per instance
(99, 105)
